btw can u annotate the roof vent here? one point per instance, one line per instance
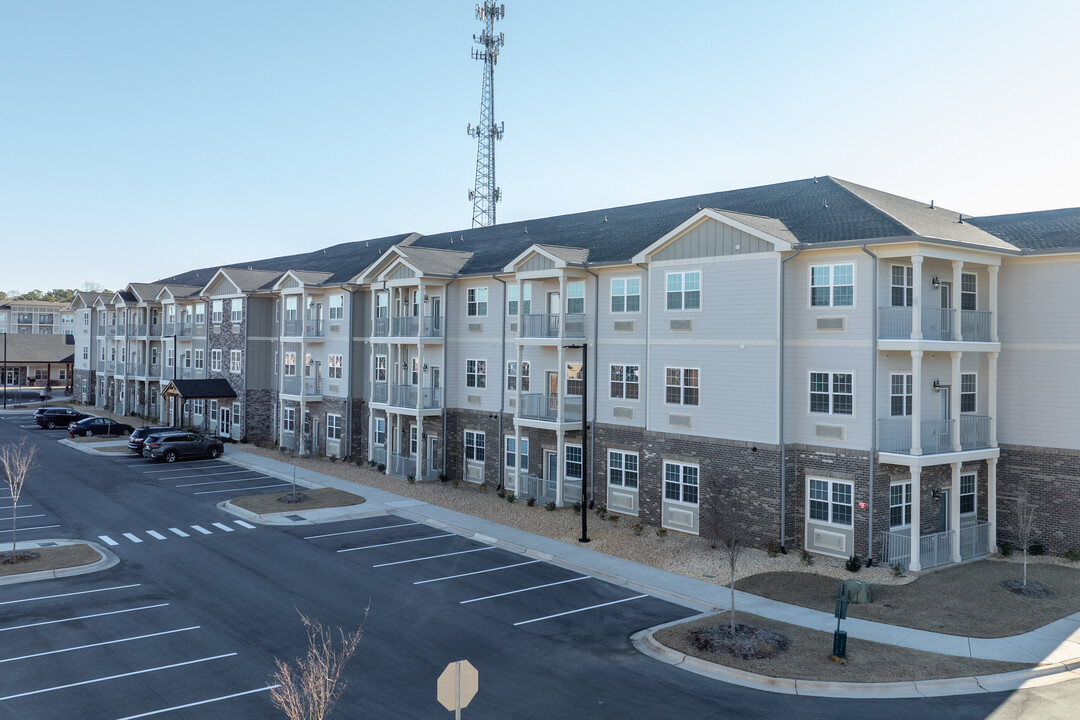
(960, 219)
(931, 204)
(605, 218)
(526, 229)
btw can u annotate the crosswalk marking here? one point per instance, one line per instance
(222, 526)
(201, 529)
(154, 534)
(133, 538)
(107, 540)
(243, 524)
(179, 532)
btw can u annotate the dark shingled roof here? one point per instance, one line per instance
(195, 389)
(1045, 230)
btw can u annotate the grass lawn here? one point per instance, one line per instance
(964, 600)
(51, 558)
(315, 500)
(807, 657)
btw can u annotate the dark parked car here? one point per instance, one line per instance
(170, 447)
(139, 435)
(99, 426)
(58, 417)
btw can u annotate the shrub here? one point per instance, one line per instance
(443, 477)
(382, 467)
(661, 532)
(638, 529)
(531, 501)
(1072, 554)
(601, 512)
(371, 463)
(577, 508)
(853, 564)
(806, 557)
(1005, 548)
(1036, 549)
(898, 570)
(501, 492)
(510, 497)
(455, 482)
(550, 505)
(613, 518)
(411, 479)
(771, 549)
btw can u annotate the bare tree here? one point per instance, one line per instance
(16, 461)
(729, 519)
(308, 688)
(1024, 510)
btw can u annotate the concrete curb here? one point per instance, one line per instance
(1048, 674)
(281, 519)
(89, 449)
(106, 560)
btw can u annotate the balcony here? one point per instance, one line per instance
(936, 548)
(155, 330)
(936, 436)
(111, 331)
(170, 329)
(304, 328)
(894, 323)
(101, 331)
(138, 329)
(121, 329)
(381, 327)
(308, 387)
(430, 326)
(405, 396)
(101, 366)
(155, 370)
(186, 330)
(401, 466)
(380, 392)
(547, 326)
(26, 319)
(378, 454)
(539, 406)
(136, 369)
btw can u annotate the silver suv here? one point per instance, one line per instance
(172, 446)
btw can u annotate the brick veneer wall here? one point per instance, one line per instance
(1051, 478)
(457, 422)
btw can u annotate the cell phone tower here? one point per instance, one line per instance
(485, 194)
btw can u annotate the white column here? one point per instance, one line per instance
(991, 396)
(517, 390)
(916, 402)
(991, 501)
(954, 401)
(957, 271)
(916, 301)
(562, 304)
(954, 511)
(915, 564)
(560, 449)
(992, 297)
(370, 433)
(561, 382)
(521, 310)
(518, 470)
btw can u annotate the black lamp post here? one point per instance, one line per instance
(584, 437)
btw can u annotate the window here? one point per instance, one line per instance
(681, 482)
(380, 368)
(186, 358)
(200, 313)
(216, 308)
(213, 408)
(968, 392)
(832, 393)
(625, 382)
(215, 360)
(337, 307)
(333, 427)
(333, 366)
(86, 352)
(900, 505)
(512, 299)
(291, 304)
(474, 445)
(900, 394)
(968, 286)
(575, 297)
(830, 501)
(573, 456)
(967, 493)
(237, 306)
(380, 431)
(832, 285)
(154, 356)
(414, 440)
(622, 468)
(200, 359)
(288, 420)
(382, 305)
(235, 361)
(903, 285)
(512, 457)
(476, 373)
(476, 302)
(511, 376)
(625, 294)
(681, 386)
(684, 291)
(575, 380)
(197, 407)
(169, 357)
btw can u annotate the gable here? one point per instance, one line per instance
(402, 272)
(712, 238)
(537, 262)
(222, 286)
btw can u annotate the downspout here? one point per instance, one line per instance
(502, 385)
(648, 324)
(446, 370)
(873, 407)
(780, 414)
(596, 390)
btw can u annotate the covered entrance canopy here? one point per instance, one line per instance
(181, 390)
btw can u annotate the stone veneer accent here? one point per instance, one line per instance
(259, 415)
(229, 337)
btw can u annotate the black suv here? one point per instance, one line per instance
(59, 417)
(139, 435)
(170, 447)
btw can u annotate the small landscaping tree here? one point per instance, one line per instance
(308, 688)
(729, 519)
(1025, 510)
(16, 461)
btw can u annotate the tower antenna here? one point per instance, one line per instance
(485, 194)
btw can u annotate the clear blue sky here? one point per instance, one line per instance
(139, 139)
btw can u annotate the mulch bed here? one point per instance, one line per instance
(316, 499)
(743, 641)
(50, 558)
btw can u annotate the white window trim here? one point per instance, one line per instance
(516, 453)
(909, 273)
(238, 367)
(975, 392)
(477, 302)
(638, 383)
(906, 504)
(700, 291)
(567, 447)
(830, 521)
(622, 484)
(376, 422)
(330, 426)
(907, 375)
(476, 374)
(831, 373)
(475, 434)
(663, 483)
(682, 376)
(624, 295)
(832, 285)
(974, 494)
(975, 292)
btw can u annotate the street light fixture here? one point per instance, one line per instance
(584, 437)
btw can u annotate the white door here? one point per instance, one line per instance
(946, 307)
(224, 421)
(433, 459)
(554, 310)
(551, 471)
(944, 510)
(436, 315)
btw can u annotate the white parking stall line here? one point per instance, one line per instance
(476, 572)
(232, 490)
(36, 527)
(188, 467)
(117, 677)
(217, 474)
(71, 594)
(108, 540)
(244, 524)
(435, 557)
(133, 538)
(201, 529)
(12, 507)
(26, 517)
(223, 526)
(178, 531)
(200, 702)
(156, 535)
(579, 610)
(84, 617)
(399, 542)
(100, 644)
(352, 532)
(528, 589)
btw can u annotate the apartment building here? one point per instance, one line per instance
(36, 317)
(842, 369)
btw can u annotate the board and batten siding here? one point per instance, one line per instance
(711, 238)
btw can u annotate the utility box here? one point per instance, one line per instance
(856, 591)
(839, 644)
